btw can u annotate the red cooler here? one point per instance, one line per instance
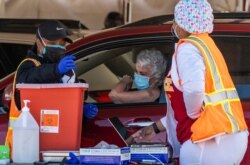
(58, 110)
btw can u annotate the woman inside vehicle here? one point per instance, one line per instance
(150, 71)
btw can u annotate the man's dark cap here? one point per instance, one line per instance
(53, 30)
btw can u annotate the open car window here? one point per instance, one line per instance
(103, 70)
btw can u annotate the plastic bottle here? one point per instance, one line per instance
(4, 154)
(25, 137)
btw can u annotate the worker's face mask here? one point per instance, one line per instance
(174, 32)
(141, 82)
(54, 52)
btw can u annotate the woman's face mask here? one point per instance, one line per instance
(54, 53)
(141, 82)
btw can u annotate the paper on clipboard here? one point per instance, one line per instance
(140, 124)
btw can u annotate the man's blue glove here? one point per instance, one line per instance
(90, 110)
(73, 159)
(66, 64)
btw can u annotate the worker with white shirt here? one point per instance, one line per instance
(205, 122)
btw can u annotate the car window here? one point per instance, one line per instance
(102, 70)
(236, 51)
(10, 56)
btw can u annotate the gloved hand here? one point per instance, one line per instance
(66, 64)
(90, 110)
(73, 159)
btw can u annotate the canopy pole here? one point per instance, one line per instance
(2, 8)
(127, 11)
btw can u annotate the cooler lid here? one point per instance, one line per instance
(54, 85)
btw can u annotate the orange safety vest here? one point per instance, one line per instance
(222, 111)
(14, 111)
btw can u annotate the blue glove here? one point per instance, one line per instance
(73, 159)
(90, 110)
(66, 64)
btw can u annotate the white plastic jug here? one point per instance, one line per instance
(25, 137)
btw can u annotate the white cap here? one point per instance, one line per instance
(194, 16)
(25, 108)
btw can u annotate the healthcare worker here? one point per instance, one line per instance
(45, 63)
(205, 122)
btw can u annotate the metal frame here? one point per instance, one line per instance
(31, 25)
(158, 20)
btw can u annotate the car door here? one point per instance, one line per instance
(102, 65)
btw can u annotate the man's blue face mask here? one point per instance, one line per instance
(54, 52)
(141, 82)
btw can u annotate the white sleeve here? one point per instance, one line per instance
(164, 121)
(191, 69)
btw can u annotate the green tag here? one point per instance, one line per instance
(4, 152)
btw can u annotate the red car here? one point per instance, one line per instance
(104, 57)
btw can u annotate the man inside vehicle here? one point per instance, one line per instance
(150, 70)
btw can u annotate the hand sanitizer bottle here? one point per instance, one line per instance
(25, 137)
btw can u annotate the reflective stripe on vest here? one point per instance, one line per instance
(222, 96)
(211, 64)
(12, 122)
(221, 101)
